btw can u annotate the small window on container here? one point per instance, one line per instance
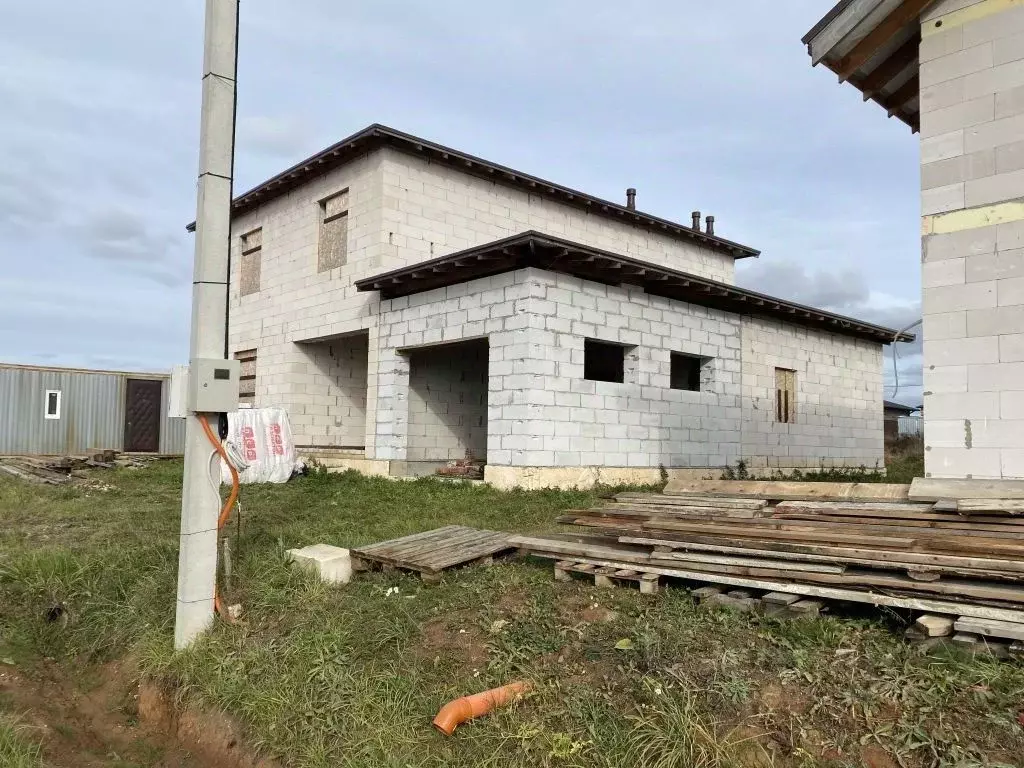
(52, 404)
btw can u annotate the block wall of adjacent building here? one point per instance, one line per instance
(972, 182)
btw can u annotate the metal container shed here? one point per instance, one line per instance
(64, 411)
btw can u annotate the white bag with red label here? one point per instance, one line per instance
(262, 437)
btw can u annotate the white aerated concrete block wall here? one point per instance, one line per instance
(432, 209)
(543, 413)
(972, 272)
(334, 411)
(838, 398)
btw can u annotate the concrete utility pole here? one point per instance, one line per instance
(197, 560)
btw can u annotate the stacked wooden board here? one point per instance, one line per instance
(854, 542)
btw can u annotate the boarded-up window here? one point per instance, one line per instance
(333, 249)
(252, 251)
(785, 396)
(247, 378)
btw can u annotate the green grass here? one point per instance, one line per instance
(353, 676)
(17, 748)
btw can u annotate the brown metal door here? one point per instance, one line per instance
(142, 415)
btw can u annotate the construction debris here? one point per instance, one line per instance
(855, 543)
(466, 469)
(60, 470)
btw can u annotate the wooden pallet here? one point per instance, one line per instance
(430, 552)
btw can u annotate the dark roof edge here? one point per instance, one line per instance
(382, 135)
(837, 9)
(785, 310)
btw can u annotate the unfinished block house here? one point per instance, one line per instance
(410, 304)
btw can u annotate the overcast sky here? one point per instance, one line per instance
(699, 105)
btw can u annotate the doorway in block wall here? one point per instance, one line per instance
(448, 408)
(330, 404)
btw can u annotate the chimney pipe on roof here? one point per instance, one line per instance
(631, 198)
(710, 228)
(695, 226)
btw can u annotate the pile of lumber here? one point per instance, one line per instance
(840, 541)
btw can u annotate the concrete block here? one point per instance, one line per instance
(1010, 292)
(945, 272)
(1011, 347)
(962, 115)
(1008, 49)
(703, 593)
(945, 379)
(941, 44)
(932, 625)
(976, 350)
(996, 377)
(943, 95)
(967, 405)
(741, 604)
(1003, 23)
(981, 463)
(806, 608)
(950, 298)
(996, 79)
(995, 266)
(994, 189)
(1009, 102)
(947, 325)
(955, 245)
(957, 64)
(993, 322)
(975, 165)
(942, 147)
(942, 199)
(332, 564)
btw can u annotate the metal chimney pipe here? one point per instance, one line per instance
(631, 199)
(710, 228)
(695, 226)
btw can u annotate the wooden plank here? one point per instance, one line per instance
(832, 593)
(897, 512)
(959, 524)
(697, 501)
(682, 512)
(903, 14)
(751, 562)
(1013, 630)
(852, 579)
(788, 491)
(938, 489)
(893, 65)
(966, 566)
(794, 533)
(1005, 506)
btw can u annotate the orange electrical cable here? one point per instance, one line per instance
(225, 511)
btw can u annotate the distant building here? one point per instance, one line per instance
(49, 411)
(892, 413)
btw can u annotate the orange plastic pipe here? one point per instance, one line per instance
(455, 713)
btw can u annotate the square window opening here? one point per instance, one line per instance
(604, 361)
(52, 402)
(689, 372)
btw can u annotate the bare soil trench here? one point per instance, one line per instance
(111, 720)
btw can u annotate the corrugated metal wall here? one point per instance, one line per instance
(91, 411)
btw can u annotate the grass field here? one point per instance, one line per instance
(322, 676)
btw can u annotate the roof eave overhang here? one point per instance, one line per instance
(873, 44)
(535, 249)
(378, 136)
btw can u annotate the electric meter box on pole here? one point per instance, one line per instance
(213, 385)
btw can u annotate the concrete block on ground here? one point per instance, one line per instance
(332, 564)
(704, 593)
(741, 604)
(806, 608)
(932, 625)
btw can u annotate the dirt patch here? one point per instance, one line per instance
(873, 756)
(212, 735)
(783, 698)
(88, 729)
(514, 603)
(114, 722)
(453, 641)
